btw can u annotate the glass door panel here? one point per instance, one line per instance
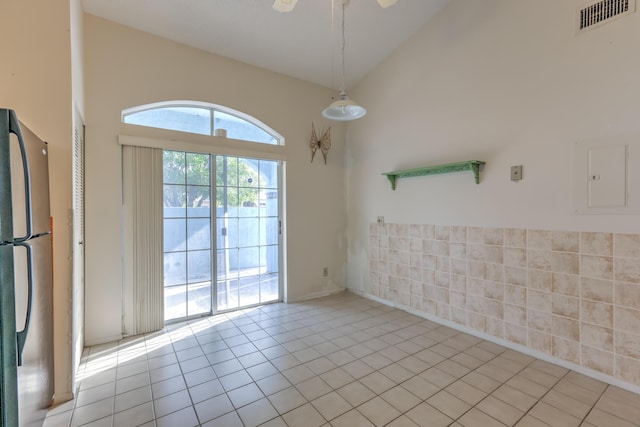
(248, 232)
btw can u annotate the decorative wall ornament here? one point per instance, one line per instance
(324, 143)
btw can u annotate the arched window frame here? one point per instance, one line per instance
(212, 108)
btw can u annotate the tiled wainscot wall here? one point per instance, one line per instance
(572, 295)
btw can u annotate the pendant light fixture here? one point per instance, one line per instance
(344, 108)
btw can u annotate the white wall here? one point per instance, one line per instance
(35, 81)
(126, 68)
(506, 82)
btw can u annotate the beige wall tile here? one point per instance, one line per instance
(565, 328)
(539, 259)
(443, 232)
(494, 272)
(428, 231)
(443, 279)
(540, 280)
(540, 341)
(628, 344)
(627, 269)
(429, 261)
(515, 238)
(428, 276)
(564, 262)
(628, 369)
(515, 333)
(628, 294)
(597, 313)
(458, 299)
(442, 264)
(475, 286)
(539, 320)
(442, 295)
(566, 349)
(494, 236)
(539, 239)
(400, 243)
(458, 315)
(383, 241)
(627, 245)
(494, 290)
(475, 304)
(565, 284)
(596, 267)
(515, 314)
(565, 306)
(415, 231)
(415, 274)
(486, 253)
(458, 250)
(458, 266)
(476, 321)
(458, 283)
(458, 234)
(515, 276)
(627, 319)
(416, 287)
(515, 295)
(476, 269)
(515, 257)
(539, 300)
(596, 289)
(565, 241)
(475, 235)
(415, 245)
(598, 360)
(596, 243)
(494, 327)
(494, 308)
(596, 336)
(416, 259)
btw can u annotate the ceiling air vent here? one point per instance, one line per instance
(603, 11)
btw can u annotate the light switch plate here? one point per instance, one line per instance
(516, 173)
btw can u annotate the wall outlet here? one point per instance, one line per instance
(325, 271)
(380, 220)
(516, 173)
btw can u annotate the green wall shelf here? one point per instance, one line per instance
(469, 165)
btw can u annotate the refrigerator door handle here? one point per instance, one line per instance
(21, 336)
(14, 127)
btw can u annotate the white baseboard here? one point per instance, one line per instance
(62, 398)
(513, 346)
(315, 295)
(103, 340)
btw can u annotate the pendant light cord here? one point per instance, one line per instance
(343, 85)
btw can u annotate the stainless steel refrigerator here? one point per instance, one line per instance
(26, 276)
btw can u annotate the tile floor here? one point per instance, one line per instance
(341, 361)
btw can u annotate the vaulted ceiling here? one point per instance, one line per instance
(304, 43)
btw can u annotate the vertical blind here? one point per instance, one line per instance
(145, 216)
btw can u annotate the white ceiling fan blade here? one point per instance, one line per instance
(284, 5)
(386, 3)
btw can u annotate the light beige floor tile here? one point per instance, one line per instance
(527, 386)
(466, 392)
(304, 416)
(337, 378)
(402, 421)
(273, 384)
(276, 422)
(481, 382)
(476, 417)
(426, 415)
(529, 421)
(378, 411)
(205, 391)
(566, 404)
(552, 416)
(500, 410)
(400, 398)
(448, 404)
(352, 418)
(356, 393)
(185, 418)
(515, 398)
(331, 405)
(244, 395)
(166, 387)
(60, 419)
(604, 419)
(228, 420)
(321, 365)
(437, 377)
(377, 382)
(586, 396)
(396, 373)
(257, 413)
(132, 398)
(420, 387)
(213, 408)
(287, 399)
(91, 412)
(134, 416)
(357, 369)
(625, 406)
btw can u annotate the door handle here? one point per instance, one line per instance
(21, 336)
(14, 127)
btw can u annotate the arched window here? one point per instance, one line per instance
(201, 118)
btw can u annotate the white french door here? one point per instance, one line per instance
(222, 233)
